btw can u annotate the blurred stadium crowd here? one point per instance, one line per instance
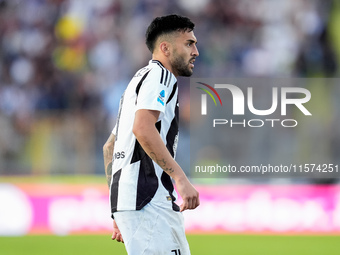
(65, 63)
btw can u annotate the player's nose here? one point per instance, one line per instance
(195, 51)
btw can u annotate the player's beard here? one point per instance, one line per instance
(180, 66)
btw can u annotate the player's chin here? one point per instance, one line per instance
(189, 71)
(186, 72)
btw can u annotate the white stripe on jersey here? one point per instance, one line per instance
(128, 197)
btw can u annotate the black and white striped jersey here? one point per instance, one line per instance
(136, 179)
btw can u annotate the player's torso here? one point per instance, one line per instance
(168, 124)
(136, 178)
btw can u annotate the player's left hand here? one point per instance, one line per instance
(116, 235)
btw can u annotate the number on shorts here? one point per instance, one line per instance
(177, 252)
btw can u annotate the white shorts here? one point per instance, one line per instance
(153, 230)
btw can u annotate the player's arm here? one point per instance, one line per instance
(108, 155)
(148, 136)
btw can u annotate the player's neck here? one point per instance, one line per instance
(165, 62)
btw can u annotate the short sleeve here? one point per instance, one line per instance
(153, 94)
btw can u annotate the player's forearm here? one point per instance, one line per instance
(147, 135)
(150, 140)
(108, 155)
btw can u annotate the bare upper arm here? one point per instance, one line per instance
(144, 119)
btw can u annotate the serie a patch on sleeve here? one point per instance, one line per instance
(161, 97)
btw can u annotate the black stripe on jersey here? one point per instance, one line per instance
(167, 183)
(147, 178)
(147, 182)
(158, 62)
(140, 84)
(158, 126)
(172, 93)
(162, 76)
(114, 190)
(138, 152)
(163, 81)
(173, 131)
(170, 140)
(166, 77)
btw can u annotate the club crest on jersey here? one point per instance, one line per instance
(161, 97)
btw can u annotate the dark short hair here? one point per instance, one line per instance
(165, 25)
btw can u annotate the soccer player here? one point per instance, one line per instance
(139, 154)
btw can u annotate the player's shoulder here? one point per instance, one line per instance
(159, 74)
(154, 66)
(142, 72)
(155, 74)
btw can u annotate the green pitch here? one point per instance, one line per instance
(200, 245)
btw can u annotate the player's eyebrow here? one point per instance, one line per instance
(192, 41)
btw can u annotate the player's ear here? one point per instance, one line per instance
(165, 48)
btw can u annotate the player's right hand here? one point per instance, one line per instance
(189, 195)
(116, 235)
